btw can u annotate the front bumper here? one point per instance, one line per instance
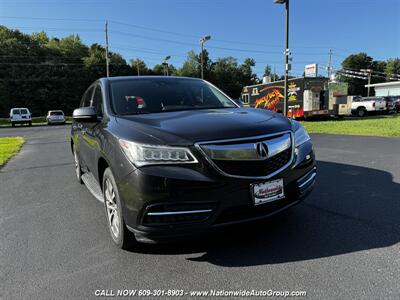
(21, 121)
(160, 203)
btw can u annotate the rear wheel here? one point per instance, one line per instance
(361, 112)
(30, 123)
(120, 235)
(12, 124)
(77, 164)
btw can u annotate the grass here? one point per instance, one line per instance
(9, 146)
(35, 121)
(386, 125)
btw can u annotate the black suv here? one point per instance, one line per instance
(174, 156)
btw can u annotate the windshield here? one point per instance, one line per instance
(154, 95)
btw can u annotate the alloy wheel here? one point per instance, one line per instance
(112, 209)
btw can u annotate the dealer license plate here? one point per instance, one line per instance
(267, 191)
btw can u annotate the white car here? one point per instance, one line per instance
(361, 106)
(20, 116)
(55, 117)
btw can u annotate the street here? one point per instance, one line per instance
(341, 242)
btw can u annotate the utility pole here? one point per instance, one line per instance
(369, 80)
(330, 64)
(287, 53)
(285, 110)
(165, 64)
(369, 73)
(202, 41)
(107, 58)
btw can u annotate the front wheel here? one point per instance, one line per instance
(120, 235)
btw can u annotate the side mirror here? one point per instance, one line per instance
(238, 102)
(85, 115)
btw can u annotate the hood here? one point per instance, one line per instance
(190, 126)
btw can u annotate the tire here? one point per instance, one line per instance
(30, 123)
(361, 112)
(120, 234)
(12, 124)
(77, 165)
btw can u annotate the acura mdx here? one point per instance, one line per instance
(175, 156)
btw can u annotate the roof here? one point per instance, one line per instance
(384, 84)
(283, 80)
(121, 78)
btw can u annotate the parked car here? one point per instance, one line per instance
(174, 156)
(365, 105)
(55, 117)
(395, 102)
(390, 104)
(20, 116)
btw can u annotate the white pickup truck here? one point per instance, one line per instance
(362, 106)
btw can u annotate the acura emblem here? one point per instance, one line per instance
(262, 150)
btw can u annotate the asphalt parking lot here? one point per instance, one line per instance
(341, 242)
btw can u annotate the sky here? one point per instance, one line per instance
(151, 29)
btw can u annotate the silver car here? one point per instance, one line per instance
(55, 117)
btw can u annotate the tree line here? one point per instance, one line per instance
(44, 73)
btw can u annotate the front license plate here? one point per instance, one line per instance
(267, 191)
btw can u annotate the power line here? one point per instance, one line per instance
(166, 31)
(53, 19)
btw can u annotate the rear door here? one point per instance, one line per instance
(25, 114)
(81, 129)
(91, 140)
(15, 115)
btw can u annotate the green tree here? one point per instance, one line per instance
(358, 62)
(393, 68)
(139, 67)
(268, 72)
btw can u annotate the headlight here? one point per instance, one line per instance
(142, 154)
(300, 134)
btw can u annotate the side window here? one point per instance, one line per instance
(87, 97)
(97, 101)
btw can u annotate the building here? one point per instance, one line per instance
(386, 88)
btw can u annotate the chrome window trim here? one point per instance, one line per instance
(210, 161)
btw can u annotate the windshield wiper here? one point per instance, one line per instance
(183, 108)
(133, 113)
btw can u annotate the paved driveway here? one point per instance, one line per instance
(343, 241)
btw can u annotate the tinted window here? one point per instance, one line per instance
(15, 111)
(97, 101)
(24, 112)
(153, 95)
(87, 97)
(56, 113)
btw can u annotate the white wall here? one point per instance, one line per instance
(393, 90)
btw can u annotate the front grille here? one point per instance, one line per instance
(255, 168)
(243, 158)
